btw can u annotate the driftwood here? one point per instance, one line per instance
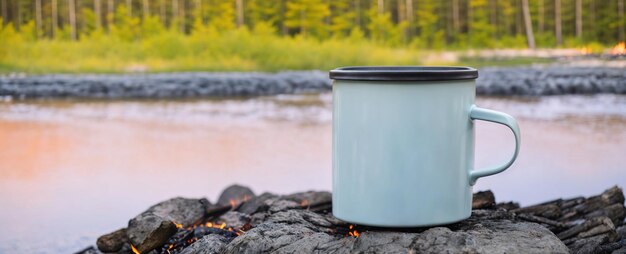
(302, 222)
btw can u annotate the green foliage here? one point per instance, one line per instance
(307, 16)
(283, 34)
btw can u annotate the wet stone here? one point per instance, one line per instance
(112, 242)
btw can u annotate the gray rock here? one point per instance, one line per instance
(545, 80)
(112, 242)
(184, 211)
(256, 204)
(234, 219)
(208, 244)
(310, 197)
(148, 231)
(88, 250)
(235, 193)
(307, 232)
(155, 226)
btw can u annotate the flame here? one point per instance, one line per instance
(132, 247)
(177, 224)
(354, 232)
(304, 203)
(585, 50)
(235, 202)
(619, 49)
(220, 226)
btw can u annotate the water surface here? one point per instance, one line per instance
(73, 170)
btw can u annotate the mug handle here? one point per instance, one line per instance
(477, 113)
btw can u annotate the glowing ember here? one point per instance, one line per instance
(619, 49)
(304, 203)
(177, 224)
(132, 247)
(235, 202)
(353, 232)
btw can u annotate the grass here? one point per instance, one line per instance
(205, 49)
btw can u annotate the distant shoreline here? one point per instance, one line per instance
(500, 81)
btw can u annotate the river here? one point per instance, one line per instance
(72, 170)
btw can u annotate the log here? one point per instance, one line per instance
(483, 200)
(588, 225)
(550, 211)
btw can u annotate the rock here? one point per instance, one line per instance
(88, 250)
(234, 219)
(310, 197)
(184, 211)
(149, 231)
(235, 193)
(208, 244)
(155, 226)
(112, 242)
(543, 80)
(256, 204)
(483, 199)
(304, 231)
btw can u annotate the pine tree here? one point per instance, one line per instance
(307, 16)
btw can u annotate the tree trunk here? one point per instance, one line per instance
(455, 16)
(98, 13)
(18, 17)
(592, 15)
(72, 15)
(163, 9)
(174, 12)
(409, 10)
(528, 26)
(146, 8)
(493, 17)
(55, 17)
(540, 18)
(557, 22)
(519, 18)
(620, 9)
(381, 7)
(469, 17)
(579, 18)
(129, 7)
(38, 16)
(357, 7)
(110, 13)
(409, 17)
(5, 12)
(283, 28)
(400, 11)
(239, 5)
(183, 15)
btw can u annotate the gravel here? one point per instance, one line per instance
(492, 81)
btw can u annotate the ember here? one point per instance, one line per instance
(594, 224)
(353, 231)
(132, 247)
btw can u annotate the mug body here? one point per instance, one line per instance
(402, 151)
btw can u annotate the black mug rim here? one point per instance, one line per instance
(404, 73)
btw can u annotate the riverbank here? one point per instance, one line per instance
(522, 81)
(241, 221)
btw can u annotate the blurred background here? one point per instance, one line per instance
(110, 106)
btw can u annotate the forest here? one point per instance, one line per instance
(286, 34)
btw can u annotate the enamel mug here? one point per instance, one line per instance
(403, 144)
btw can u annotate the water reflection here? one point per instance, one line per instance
(72, 170)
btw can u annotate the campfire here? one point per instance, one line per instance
(302, 222)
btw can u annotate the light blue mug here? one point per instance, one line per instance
(403, 144)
